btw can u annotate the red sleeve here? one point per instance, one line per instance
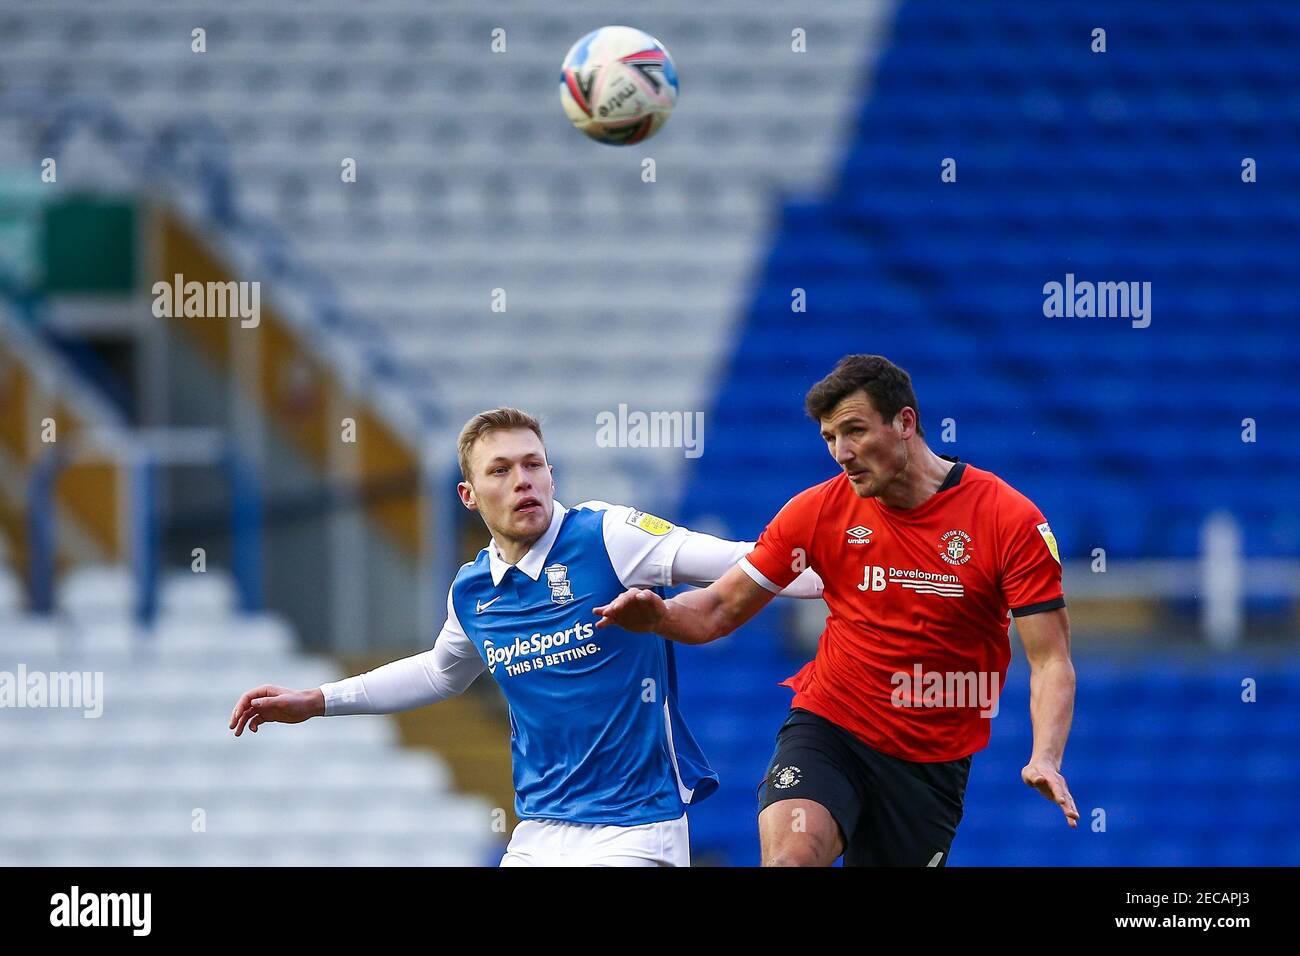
(1031, 563)
(783, 549)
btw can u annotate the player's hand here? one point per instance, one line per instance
(1041, 774)
(269, 704)
(633, 610)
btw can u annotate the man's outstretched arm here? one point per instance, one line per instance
(703, 559)
(693, 617)
(1046, 637)
(648, 552)
(417, 681)
(426, 678)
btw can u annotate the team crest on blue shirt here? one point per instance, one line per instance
(557, 576)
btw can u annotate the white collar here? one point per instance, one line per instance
(531, 563)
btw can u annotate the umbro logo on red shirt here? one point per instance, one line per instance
(859, 535)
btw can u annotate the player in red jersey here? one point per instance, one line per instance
(923, 558)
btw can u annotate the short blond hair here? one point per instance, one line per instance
(495, 420)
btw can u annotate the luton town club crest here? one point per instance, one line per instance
(557, 576)
(786, 777)
(955, 548)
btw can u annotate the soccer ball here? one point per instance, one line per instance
(618, 85)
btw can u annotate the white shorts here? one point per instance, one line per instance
(555, 843)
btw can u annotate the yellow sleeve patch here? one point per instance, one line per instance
(1046, 531)
(649, 523)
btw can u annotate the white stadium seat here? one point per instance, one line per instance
(122, 788)
(418, 100)
(450, 140)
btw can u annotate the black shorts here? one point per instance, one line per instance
(891, 812)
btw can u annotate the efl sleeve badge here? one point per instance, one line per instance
(649, 523)
(1046, 531)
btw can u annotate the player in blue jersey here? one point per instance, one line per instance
(604, 765)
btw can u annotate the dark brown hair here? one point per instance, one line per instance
(887, 385)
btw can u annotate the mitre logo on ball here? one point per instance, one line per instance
(618, 85)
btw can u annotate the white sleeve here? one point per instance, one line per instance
(701, 559)
(641, 546)
(426, 678)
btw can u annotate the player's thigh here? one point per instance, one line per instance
(912, 813)
(798, 833)
(663, 843)
(534, 843)
(811, 796)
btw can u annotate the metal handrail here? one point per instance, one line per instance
(196, 151)
(140, 454)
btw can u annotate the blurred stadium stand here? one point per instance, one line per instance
(44, 397)
(778, 172)
(467, 183)
(1183, 772)
(1122, 166)
(156, 779)
(1115, 166)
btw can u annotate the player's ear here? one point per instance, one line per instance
(466, 492)
(905, 421)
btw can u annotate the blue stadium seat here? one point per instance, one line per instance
(1117, 168)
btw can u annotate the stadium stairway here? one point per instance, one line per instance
(158, 779)
(47, 407)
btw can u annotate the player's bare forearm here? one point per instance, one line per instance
(1051, 707)
(696, 617)
(1046, 637)
(693, 617)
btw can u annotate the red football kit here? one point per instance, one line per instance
(917, 641)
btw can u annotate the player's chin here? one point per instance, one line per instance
(529, 519)
(863, 487)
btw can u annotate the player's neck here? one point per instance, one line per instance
(920, 479)
(513, 549)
